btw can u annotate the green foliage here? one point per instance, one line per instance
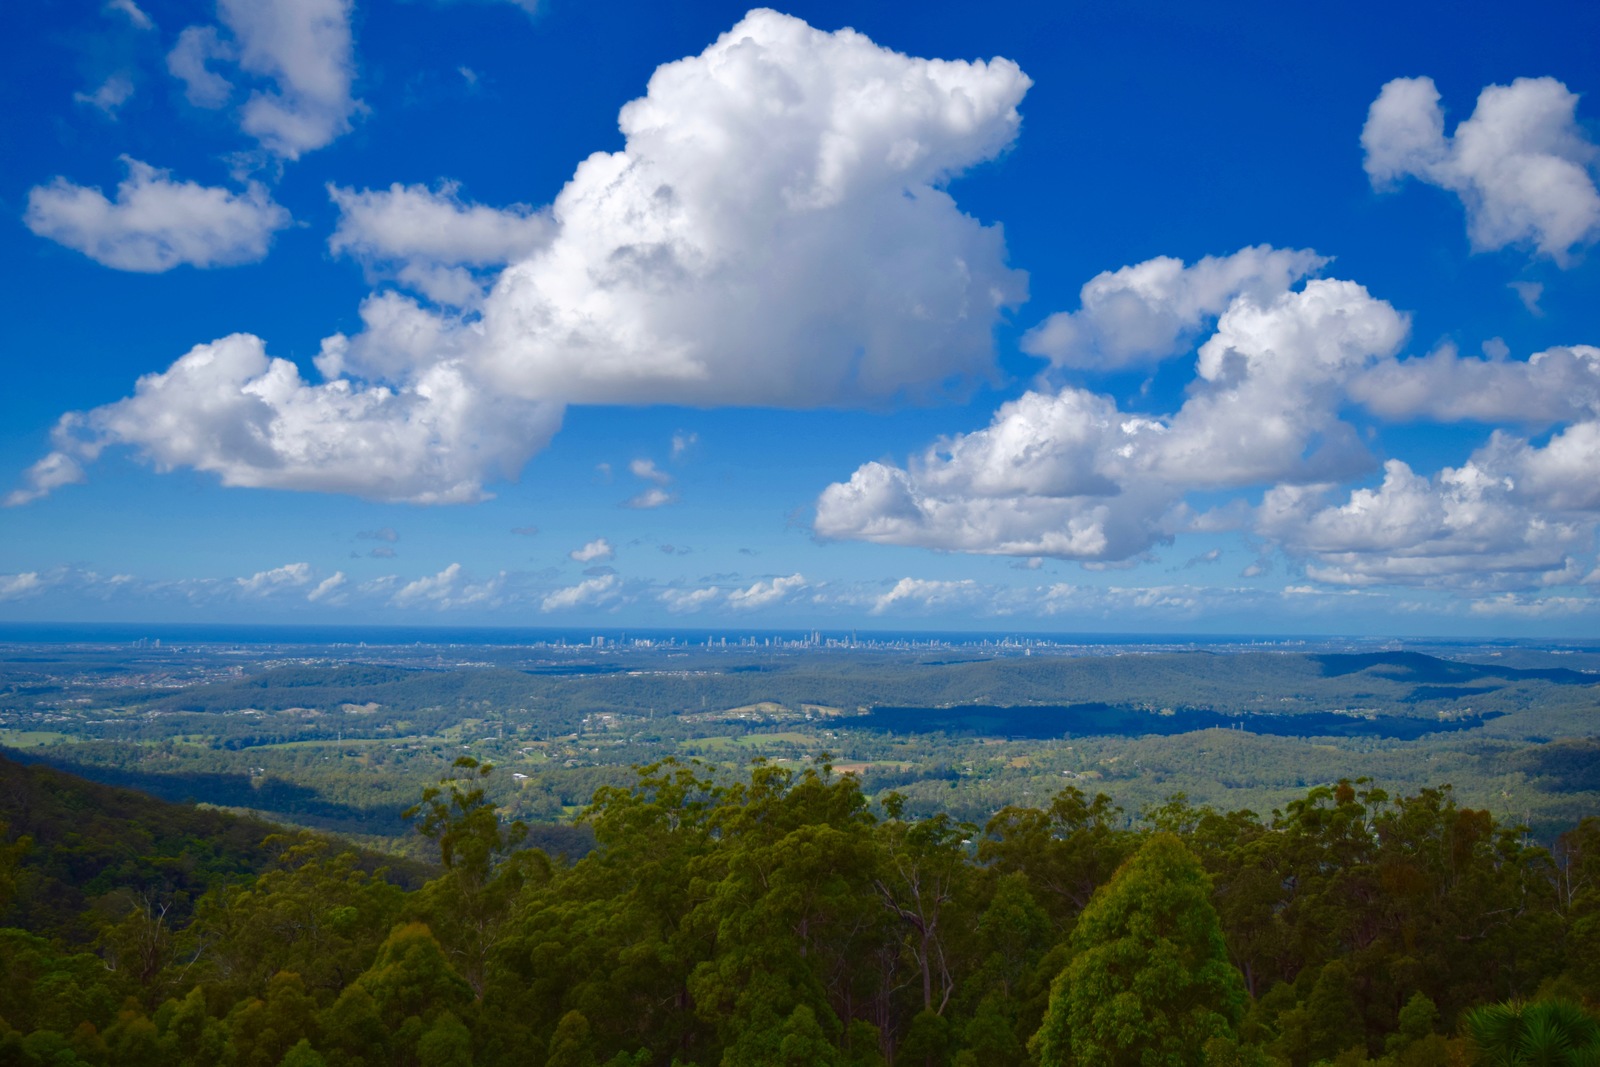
(1150, 981)
(778, 916)
(462, 823)
(467, 905)
(11, 853)
(321, 916)
(1066, 851)
(1542, 1033)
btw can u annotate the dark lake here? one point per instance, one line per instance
(1105, 720)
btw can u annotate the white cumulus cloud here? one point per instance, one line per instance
(775, 231)
(597, 551)
(1155, 309)
(449, 589)
(1473, 527)
(1070, 475)
(226, 407)
(1521, 164)
(157, 223)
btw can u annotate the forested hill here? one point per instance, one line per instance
(1424, 669)
(93, 849)
(779, 917)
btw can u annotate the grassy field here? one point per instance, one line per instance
(33, 738)
(746, 742)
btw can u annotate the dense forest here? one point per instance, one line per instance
(779, 916)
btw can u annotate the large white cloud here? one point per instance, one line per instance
(1071, 475)
(1270, 380)
(157, 223)
(1521, 164)
(1043, 479)
(430, 239)
(226, 407)
(1467, 527)
(303, 48)
(1516, 514)
(774, 232)
(1557, 476)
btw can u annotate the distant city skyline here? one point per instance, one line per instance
(1020, 319)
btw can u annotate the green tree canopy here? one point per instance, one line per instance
(1149, 982)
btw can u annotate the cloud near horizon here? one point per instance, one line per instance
(1069, 474)
(284, 591)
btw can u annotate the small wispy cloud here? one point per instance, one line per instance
(589, 593)
(327, 590)
(112, 94)
(765, 593)
(132, 12)
(648, 471)
(650, 498)
(262, 582)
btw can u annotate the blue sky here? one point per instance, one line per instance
(1134, 317)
